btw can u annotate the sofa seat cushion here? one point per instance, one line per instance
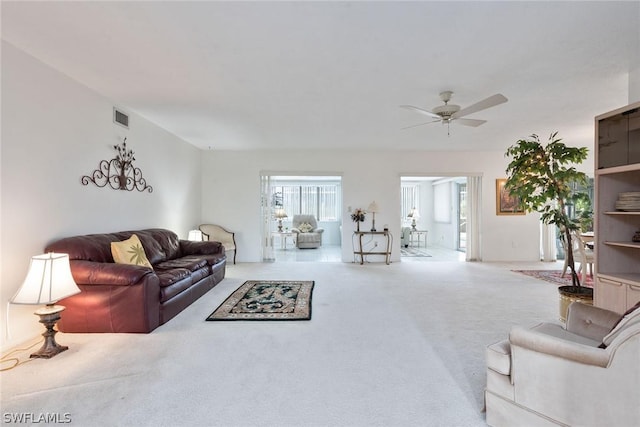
(191, 263)
(213, 259)
(172, 282)
(175, 275)
(499, 357)
(168, 292)
(200, 274)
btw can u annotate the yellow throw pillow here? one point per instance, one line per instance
(130, 251)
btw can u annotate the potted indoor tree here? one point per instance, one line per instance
(541, 177)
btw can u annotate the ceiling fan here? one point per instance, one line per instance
(449, 112)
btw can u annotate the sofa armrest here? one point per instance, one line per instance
(548, 344)
(106, 273)
(295, 230)
(319, 230)
(188, 247)
(589, 321)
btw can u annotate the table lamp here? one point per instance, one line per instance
(48, 280)
(413, 214)
(280, 215)
(373, 208)
(195, 236)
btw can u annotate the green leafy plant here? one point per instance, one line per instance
(542, 178)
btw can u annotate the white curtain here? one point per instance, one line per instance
(474, 207)
(268, 254)
(549, 251)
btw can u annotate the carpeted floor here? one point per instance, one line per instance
(388, 345)
(555, 276)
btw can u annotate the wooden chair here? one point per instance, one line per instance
(217, 233)
(585, 256)
(581, 255)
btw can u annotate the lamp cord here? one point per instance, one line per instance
(16, 360)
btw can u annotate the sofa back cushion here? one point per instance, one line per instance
(166, 242)
(159, 245)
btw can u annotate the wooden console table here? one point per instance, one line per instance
(358, 250)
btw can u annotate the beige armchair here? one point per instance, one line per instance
(217, 233)
(553, 374)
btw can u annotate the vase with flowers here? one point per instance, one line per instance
(358, 216)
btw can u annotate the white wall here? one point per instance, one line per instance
(54, 131)
(231, 193)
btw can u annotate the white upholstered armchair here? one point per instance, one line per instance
(217, 233)
(308, 234)
(553, 374)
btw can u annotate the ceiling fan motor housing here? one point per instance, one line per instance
(447, 110)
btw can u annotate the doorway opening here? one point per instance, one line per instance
(289, 201)
(435, 214)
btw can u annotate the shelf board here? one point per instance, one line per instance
(622, 213)
(635, 245)
(618, 169)
(626, 278)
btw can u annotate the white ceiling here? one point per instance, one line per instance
(331, 75)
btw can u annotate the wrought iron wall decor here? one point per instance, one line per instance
(119, 172)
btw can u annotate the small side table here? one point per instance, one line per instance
(418, 235)
(284, 235)
(360, 251)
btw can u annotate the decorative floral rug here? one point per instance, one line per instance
(411, 251)
(554, 276)
(267, 300)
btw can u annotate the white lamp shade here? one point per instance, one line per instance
(373, 207)
(48, 280)
(195, 235)
(280, 213)
(414, 214)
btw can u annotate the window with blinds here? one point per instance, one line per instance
(322, 201)
(409, 199)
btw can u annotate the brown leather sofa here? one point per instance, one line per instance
(132, 298)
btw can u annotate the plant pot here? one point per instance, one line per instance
(569, 294)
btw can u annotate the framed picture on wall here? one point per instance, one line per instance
(505, 203)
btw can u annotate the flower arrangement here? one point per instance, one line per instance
(358, 216)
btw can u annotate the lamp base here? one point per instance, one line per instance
(49, 315)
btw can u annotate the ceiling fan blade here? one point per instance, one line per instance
(471, 122)
(491, 101)
(421, 124)
(421, 111)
